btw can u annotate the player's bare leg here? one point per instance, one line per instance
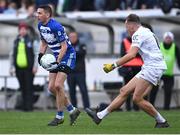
(56, 85)
(116, 103)
(124, 93)
(59, 118)
(138, 99)
(63, 100)
(142, 88)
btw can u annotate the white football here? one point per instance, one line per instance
(46, 60)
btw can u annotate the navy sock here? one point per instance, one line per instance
(70, 108)
(60, 115)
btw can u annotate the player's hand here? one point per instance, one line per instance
(39, 58)
(52, 67)
(109, 67)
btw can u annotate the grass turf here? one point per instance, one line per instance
(14, 122)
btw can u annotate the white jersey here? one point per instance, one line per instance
(149, 48)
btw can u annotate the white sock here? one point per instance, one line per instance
(159, 118)
(102, 114)
(72, 110)
(59, 117)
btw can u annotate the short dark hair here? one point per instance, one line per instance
(47, 8)
(133, 18)
(146, 25)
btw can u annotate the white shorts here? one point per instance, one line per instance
(152, 75)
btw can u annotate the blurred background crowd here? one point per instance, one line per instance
(60, 6)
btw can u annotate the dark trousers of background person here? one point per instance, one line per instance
(78, 79)
(129, 99)
(128, 75)
(168, 83)
(25, 78)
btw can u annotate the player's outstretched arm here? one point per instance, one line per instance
(129, 56)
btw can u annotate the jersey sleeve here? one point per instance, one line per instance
(59, 33)
(136, 40)
(41, 37)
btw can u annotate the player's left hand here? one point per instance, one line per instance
(52, 67)
(108, 67)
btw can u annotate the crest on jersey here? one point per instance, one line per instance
(135, 38)
(59, 33)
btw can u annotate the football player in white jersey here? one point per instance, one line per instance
(146, 44)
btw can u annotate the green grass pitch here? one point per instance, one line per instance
(14, 122)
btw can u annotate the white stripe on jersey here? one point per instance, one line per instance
(69, 62)
(55, 45)
(57, 49)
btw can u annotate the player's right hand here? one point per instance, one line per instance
(108, 67)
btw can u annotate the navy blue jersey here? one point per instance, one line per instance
(53, 34)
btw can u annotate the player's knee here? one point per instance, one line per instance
(59, 87)
(136, 99)
(51, 88)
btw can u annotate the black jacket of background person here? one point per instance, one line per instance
(29, 52)
(80, 57)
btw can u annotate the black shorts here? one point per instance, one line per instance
(62, 68)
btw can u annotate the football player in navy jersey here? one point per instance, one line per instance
(54, 36)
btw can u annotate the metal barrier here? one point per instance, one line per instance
(6, 93)
(175, 92)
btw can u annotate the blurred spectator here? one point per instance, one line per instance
(11, 9)
(23, 63)
(78, 5)
(31, 11)
(127, 4)
(112, 5)
(18, 3)
(124, 4)
(24, 5)
(171, 54)
(3, 5)
(99, 5)
(150, 4)
(72, 5)
(86, 5)
(32, 21)
(131, 4)
(141, 4)
(78, 76)
(146, 4)
(130, 69)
